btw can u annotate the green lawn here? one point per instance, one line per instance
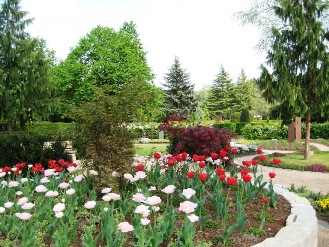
(149, 149)
(297, 160)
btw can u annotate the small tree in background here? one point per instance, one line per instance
(245, 116)
(220, 100)
(179, 91)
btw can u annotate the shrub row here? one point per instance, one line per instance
(51, 130)
(30, 148)
(277, 131)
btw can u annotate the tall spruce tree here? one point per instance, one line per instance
(25, 65)
(245, 93)
(179, 91)
(221, 98)
(299, 60)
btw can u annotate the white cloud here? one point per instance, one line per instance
(201, 33)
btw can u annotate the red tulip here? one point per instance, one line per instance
(214, 156)
(262, 157)
(171, 161)
(227, 148)
(265, 200)
(234, 150)
(195, 158)
(190, 174)
(220, 171)
(276, 161)
(202, 164)
(246, 178)
(222, 153)
(272, 174)
(157, 156)
(246, 163)
(202, 158)
(231, 181)
(222, 177)
(243, 172)
(259, 151)
(184, 155)
(179, 158)
(140, 167)
(203, 176)
(254, 162)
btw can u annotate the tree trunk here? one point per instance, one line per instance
(10, 125)
(307, 135)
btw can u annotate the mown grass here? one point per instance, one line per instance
(297, 161)
(148, 149)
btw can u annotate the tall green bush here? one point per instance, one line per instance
(102, 136)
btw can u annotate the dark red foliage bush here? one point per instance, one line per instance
(203, 140)
(317, 168)
(200, 140)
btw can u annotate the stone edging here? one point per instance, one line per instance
(301, 228)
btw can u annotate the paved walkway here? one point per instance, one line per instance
(314, 181)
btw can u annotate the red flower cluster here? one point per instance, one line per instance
(37, 168)
(245, 176)
(60, 165)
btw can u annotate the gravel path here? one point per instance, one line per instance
(315, 181)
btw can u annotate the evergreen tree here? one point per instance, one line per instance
(299, 59)
(245, 93)
(179, 91)
(25, 65)
(221, 98)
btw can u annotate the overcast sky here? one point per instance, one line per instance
(203, 34)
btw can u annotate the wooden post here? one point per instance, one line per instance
(298, 129)
(291, 131)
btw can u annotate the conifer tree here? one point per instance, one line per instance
(298, 80)
(179, 91)
(221, 98)
(25, 65)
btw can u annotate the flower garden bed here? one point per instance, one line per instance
(177, 201)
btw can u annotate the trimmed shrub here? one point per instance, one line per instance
(265, 132)
(225, 125)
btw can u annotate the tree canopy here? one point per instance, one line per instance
(25, 69)
(103, 57)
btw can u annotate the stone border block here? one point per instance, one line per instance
(301, 228)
